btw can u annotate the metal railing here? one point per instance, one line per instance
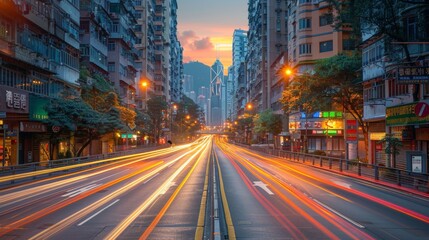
(403, 178)
(36, 166)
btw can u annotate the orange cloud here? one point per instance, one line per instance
(206, 49)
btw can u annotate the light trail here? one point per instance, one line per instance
(336, 221)
(120, 228)
(380, 201)
(164, 209)
(46, 211)
(54, 229)
(38, 190)
(46, 171)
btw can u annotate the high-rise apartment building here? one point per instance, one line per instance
(121, 52)
(145, 15)
(256, 57)
(39, 58)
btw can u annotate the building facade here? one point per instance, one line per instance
(39, 59)
(396, 93)
(239, 51)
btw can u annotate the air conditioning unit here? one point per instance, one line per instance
(316, 1)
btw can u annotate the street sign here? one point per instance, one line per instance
(56, 129)
(421, 109)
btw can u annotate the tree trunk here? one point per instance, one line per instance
(88, 141)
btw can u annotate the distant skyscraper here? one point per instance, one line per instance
(239, 51)
(216, 82)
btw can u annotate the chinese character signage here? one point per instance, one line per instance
(413, 75)
(13, 100)
(407, 114)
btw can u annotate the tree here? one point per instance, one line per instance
(187, 118)
(267, 122)
(338, 80)
(157, 110)
(397, 22)
(77, 116)
(392, 146)
(241, 125)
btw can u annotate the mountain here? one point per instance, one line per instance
(200, 73)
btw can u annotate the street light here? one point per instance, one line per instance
(145, 85)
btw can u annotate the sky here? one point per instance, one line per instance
(205, 29)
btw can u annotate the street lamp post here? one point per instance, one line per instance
(145, 85)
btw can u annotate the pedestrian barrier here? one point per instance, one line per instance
(360, 169)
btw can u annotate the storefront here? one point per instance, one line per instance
(319, 131)
(14, 109)
(409, 124)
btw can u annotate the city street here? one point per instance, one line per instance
(208, 190)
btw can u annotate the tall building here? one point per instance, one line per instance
(239, 51)
(256, 57)
(122, 54)
(145, 15)
(217, 86)
(230, 94)
(39, 58)
(176, 57)
(277, 28)
(95, 25)
(312, 36)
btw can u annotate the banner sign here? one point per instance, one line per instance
(413, 75)
(407, 114)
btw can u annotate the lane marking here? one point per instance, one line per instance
(227, 212)
(263, 186)
(339, 214)
(150, 178)
(95, 214)
(80, 190)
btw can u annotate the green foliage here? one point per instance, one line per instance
(267, 122)
(392, 146)
(383, 17)
(77, 116)
(156, 109)
(182, 126)
(143, 122)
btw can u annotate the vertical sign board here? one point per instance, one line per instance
(416, 162)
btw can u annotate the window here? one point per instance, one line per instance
(326, 46)
(411, 28)
(305, 48)
(374, 91)
(304, 23)
(397, 89)
(111, 46)
(5, 30)
(348, 44)
(111, 67)
(325, 19)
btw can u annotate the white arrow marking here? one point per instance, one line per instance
(80, 190)
(342, 184)
(263, 186)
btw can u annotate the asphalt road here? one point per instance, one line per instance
(207, 190)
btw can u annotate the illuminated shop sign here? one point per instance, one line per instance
(13, 100)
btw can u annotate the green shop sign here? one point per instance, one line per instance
(408, 114)
(37, 108)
